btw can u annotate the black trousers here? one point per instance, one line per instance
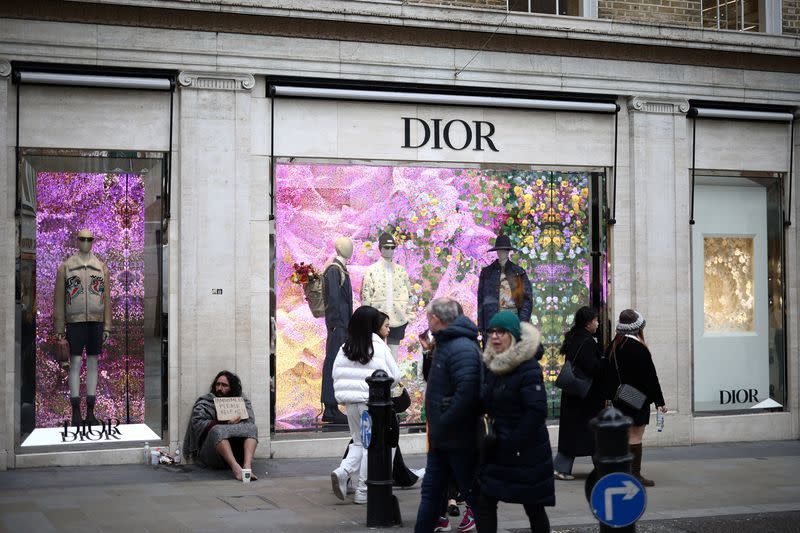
(487, 515)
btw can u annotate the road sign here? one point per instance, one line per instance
(618, 499)
(366, 429)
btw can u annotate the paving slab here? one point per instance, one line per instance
(743, 485)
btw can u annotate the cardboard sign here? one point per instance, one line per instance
(230, 408)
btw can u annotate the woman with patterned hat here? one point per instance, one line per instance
(630, 362)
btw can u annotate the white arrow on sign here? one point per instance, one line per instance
(629, 490)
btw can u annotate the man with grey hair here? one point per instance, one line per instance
(451, 404)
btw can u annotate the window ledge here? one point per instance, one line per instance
(396, 13)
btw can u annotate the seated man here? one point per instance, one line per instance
(215, 443)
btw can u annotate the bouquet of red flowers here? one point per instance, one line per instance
(311, 281)
(303, 273)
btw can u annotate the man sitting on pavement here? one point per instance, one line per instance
(215, 443)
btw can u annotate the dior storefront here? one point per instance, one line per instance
(201, 191)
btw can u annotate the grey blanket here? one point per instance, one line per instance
(203, 433)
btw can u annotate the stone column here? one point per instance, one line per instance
(219, 196)
(8, 246)
(659, 189)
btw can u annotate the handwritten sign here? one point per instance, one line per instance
(230, 408)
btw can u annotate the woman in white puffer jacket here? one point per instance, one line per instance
(363, 353)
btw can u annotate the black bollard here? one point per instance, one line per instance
(383, 509)
(612, 453)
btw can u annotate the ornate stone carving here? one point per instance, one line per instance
(658, 105)
(223, 81)
(5, 68)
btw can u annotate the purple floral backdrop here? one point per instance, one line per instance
(112, 207)
(444, 220)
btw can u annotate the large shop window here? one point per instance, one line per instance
(115, 282)
(738, 294)
(444, 220)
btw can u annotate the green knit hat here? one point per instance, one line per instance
(508, 321)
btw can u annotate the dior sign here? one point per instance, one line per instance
(734, 396)
(456, 134)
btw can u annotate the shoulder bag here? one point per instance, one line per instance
(572, 380)
(628, 395)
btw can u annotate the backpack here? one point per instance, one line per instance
(314, 291)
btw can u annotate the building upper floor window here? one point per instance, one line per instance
(552, 7)
(741, 15)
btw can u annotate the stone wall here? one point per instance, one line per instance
(672, 12)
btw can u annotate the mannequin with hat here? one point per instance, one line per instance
(338, 293)
(82, 313)
(387, 288)
(503, 286)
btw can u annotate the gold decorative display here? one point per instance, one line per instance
(728, 292)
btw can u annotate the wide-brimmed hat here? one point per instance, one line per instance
(502, 242)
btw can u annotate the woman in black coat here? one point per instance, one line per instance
(630, 362)
(520, 467)
(575, 438)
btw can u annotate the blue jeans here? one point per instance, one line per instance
(441, 465)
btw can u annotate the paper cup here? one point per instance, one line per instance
(246, 474)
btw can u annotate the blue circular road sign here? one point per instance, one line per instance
(618, 499)
(366, 429)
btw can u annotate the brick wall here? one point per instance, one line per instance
(672, 12)
(485, 4)
(791, 17)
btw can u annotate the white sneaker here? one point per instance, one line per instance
(339, 483)
(420, 473)
(360, 497)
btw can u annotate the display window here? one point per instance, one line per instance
(91, 297)
(738, 294)
(443, 220)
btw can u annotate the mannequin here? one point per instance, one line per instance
(338, 309)
(503, 286)
(386, 287)
(82, 312)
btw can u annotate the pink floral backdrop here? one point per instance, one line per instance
(445, 220)
(112, 207)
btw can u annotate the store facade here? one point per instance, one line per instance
(203, 185)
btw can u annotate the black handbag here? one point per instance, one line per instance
(572, 380)
(402, 402)
(628, 395)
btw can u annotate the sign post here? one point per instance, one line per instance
(383, 509)
(617, 498)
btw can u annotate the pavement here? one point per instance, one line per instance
(732, 487)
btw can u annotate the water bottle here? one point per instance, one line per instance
(147, 453)
(176, 459)
(659, 420)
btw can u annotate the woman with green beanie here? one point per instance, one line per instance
(520, 467)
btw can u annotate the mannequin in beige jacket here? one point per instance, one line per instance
(82, 312)
(387, 288)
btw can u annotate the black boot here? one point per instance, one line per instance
(333, 415)
(76, 411)
(636, 466)
(91, 420)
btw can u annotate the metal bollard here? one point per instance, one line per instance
(612, 454)
(383, 509)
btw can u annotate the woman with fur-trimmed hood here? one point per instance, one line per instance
(519, 469)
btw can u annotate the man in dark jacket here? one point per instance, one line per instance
(451, 404)
(503, 286)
